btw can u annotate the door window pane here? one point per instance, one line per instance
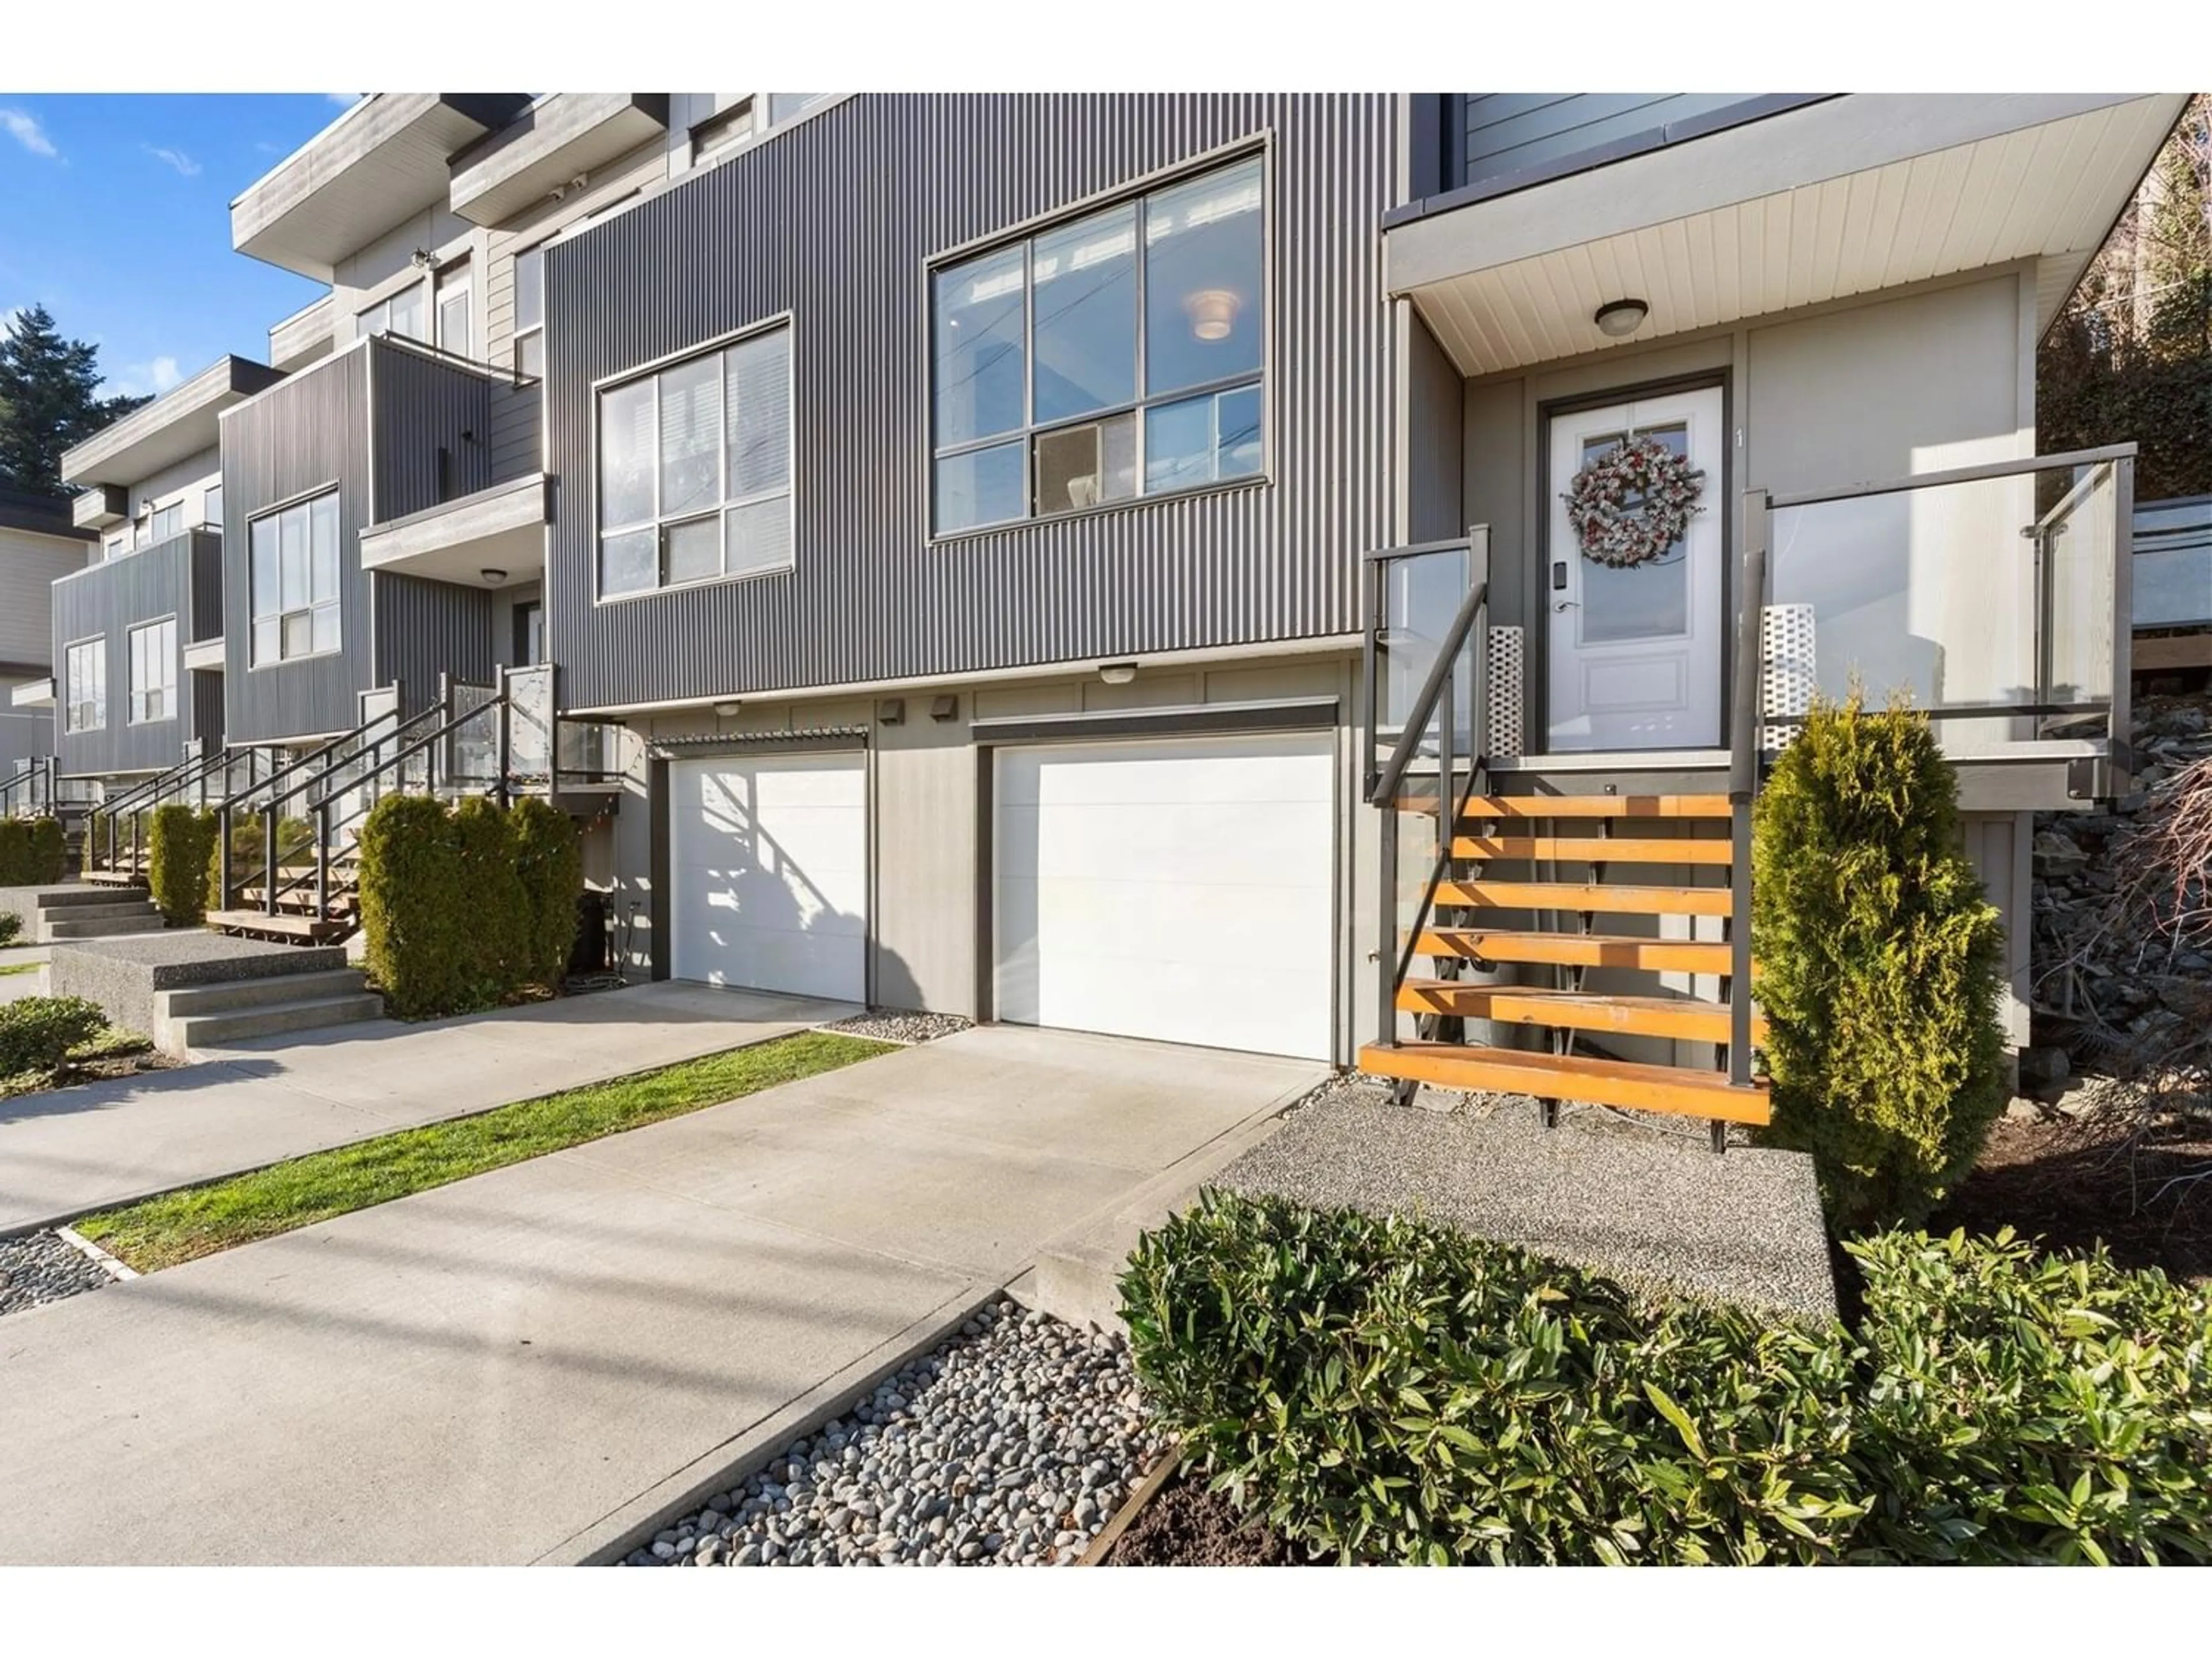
(1646, 601)
(627, 564)
(1086, 334)
(626, 462)
(690, 436)
(983, 486)
(453, 331)
(981, 367)
(759, 403)
(407, 313)
(759, 535)
(695, 551)
(1203, 266)
(529, 288)
(1082, 465)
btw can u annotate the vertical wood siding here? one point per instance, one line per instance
(837, 222)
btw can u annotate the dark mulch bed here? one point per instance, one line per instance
(2075, 1181)
(1187, 1526)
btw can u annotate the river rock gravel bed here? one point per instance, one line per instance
(1013, 1442)
(40, 1267)
(892, 1026)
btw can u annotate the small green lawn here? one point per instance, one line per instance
(20, 968)
(160, 1232)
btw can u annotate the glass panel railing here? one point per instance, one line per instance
(473, 748)
(1986, 601)
(1421, 594)
(529, 724)
(588, 753)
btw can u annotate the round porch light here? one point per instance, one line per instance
(1117, 673)
(492, 576)
(1212, 313)
(1618, 318)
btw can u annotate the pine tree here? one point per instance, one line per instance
(49, 401)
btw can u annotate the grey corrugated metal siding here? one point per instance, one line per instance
(207, 589)
(109, 599)
(433, 439)
(424, 629)
(517, 425)
(837, 222)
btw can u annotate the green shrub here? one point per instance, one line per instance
(549, 857)
(37, 1033)
(49, 850)
(416, 910)
(498, 905)
(11, 926)
(2032, 1408)
(1880, 965)
(179, 864)
(1388, 1390)
(16, 867)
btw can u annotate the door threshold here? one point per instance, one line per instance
(1631, 760)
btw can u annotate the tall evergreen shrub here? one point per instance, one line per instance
(49, 849)
(499, 906)
(549, 858)
(17, 868)
(1880, 965)
(415, 908)
(179, 842)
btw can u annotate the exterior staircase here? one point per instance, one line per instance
(1527, 894)
(80, 912)
(214, 1015)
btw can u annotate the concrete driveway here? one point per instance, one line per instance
(517, 1367)
(70, 1150)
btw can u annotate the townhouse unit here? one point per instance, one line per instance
(1153, 564)
(40, 543)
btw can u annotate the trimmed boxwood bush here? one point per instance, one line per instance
(49, 849)
(549, 857)
(1387, 1391)
(181, 842)
(1879, 966)
(31, 851)
(37, 1033)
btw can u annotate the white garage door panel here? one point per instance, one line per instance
(767, 871)
(1181, 890)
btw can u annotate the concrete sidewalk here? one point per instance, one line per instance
(517, 1367)
(70, 1150)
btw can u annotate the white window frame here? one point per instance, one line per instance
(726, 503)
(84, 684)
(529, 331)
(1260, 380)
(173, 513)
(146, 644)
(372, 320)
(258, 612)
(211, 506)
(454, 283)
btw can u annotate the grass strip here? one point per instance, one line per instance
(20, 968)
(180, 1226)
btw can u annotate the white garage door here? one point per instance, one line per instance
(1175, 889)
(769, 873)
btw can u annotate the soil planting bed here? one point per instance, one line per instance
(1187, 1526)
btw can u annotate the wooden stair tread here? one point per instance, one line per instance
(1603, 898)
(1593, 849)
(1577, 950)
(288, 924)
(1682, 1017)
(1558, 1077)
(1597, 806)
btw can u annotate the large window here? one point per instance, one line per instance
(694, 469)
(153, 672)
(295, 581)
(1117, 355)
(84, 684)
(401, 313)
(165, 522)
(529, 312)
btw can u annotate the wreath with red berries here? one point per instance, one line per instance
(1633, 503)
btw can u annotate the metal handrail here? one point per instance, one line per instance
(1956, 475)
(1416, 726)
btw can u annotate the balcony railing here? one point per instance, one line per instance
(1994, 597)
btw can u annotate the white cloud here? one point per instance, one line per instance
(137, 380)
(344, 99)
(183, 164)
(23, 127)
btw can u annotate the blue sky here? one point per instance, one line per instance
(115, 214)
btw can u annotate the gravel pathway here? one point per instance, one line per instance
(1013, 1442)
(894, 1027)
(42, 1268)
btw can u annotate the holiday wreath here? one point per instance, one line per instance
(1665, 488)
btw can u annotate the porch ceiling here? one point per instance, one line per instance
(501, 528)
(1839, 198)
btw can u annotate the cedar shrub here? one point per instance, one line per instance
(180, 841)
(49, 849)
(1880, 965)
(415, 909)
(499, 905)
(549, 858)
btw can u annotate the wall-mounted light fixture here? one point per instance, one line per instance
(727, 710)
(1117, 673)
(1618, 318)
(944, 707)
(1212, 313)
(422, 258)
(493, 576)
(891, 711)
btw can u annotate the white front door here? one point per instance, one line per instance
(1635, 655)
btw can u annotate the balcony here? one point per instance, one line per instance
(382, 161)
(305, 336)
(1721, 217)
(558, 139)
(500, 529)
(100, 507)
(176, 426)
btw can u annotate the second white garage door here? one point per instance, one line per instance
(1178, 889)
(769, 873)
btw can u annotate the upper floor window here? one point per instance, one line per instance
(1119, 355)
(455, 331)
(84, 688)
(529, 312)
(153, 672)
(163, 523)
(294, 581)
(694, 469)
(118, 544)
(400, 314)
(211, 506)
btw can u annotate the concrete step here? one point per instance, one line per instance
(271, 1019)
(226, 997)
(147, 920)
(111, 904)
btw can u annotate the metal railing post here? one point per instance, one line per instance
(323, 859)
(1745, 743)
(504, 739)
(2121, 740)
(222, 849)
(269, 859)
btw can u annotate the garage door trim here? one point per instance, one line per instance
(1174, 721)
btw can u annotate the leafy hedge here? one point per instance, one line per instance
(37, 1033)
(1880, 965)
(1388, 1390)
(179, 864)
(457, 902)
(11, 926)
(31, 851)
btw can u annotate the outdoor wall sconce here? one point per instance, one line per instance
(944, 707)
(1620, 317)
(1117, 673)
(891, 711)
(727, 710)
